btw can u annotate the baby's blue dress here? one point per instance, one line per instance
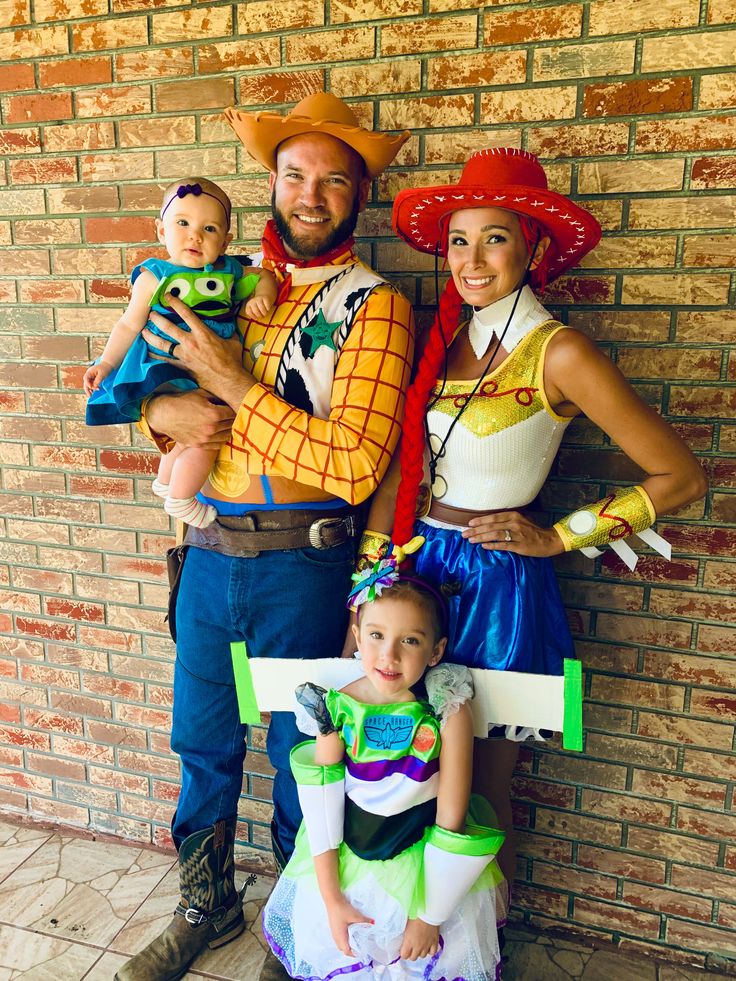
(119, 397)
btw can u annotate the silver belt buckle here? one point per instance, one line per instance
(315, 529)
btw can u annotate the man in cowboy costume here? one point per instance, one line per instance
(306, 413)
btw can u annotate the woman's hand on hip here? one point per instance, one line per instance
(512, 531)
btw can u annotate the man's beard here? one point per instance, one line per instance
(306, 248)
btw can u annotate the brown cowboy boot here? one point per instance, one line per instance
(209, 914)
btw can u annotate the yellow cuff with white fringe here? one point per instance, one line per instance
(622, 513)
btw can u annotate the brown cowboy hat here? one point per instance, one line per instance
(261, 132)
(501, 177)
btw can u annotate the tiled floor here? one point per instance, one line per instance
(73, 909)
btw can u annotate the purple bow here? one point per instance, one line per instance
(184, 189)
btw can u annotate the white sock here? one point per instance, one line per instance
(159, 488)
(191, 511)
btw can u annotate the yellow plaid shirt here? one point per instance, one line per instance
(305, 458)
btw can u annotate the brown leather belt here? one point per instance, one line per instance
(460, 516)
(262, 531)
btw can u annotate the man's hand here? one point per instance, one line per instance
(209, 358)
(193, 418)
(340, 914)
(420, 940)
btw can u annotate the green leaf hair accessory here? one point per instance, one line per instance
(371, 582)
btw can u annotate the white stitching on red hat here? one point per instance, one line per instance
(505, 151)
(579, 229)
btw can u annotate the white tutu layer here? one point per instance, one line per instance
(295, 924)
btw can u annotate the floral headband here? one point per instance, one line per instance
(195, 189)
(370, 583)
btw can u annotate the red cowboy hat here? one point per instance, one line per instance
(498, 178)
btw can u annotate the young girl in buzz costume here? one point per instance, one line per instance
(391, 877)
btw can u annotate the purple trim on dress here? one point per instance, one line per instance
(411, 767)
(342, 971)
(281, 954)
(435, 957)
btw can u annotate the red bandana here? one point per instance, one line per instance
(274, 251)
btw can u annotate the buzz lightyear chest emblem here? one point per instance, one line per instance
(388, 731)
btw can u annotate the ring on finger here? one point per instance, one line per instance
(171, 349)
(507, 535)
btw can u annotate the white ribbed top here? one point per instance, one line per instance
(501, 450)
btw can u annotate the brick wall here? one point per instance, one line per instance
(631, 105)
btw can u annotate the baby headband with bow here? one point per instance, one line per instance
(196, 189)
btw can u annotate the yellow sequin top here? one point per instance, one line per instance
(502, 448)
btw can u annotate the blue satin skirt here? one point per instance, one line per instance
(506, 611)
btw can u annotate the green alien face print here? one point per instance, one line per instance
(208, 292)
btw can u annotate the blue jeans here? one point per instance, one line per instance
(282, 604)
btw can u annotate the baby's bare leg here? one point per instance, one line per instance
(189, 472)
(166, 465)
(160, 486)
(190, 469)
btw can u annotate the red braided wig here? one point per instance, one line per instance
(440, 337)
(441, 334)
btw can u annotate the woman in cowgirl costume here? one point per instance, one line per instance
(484, 418)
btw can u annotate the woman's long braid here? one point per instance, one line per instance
(413, 438)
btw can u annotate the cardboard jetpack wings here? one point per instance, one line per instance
(267, 684)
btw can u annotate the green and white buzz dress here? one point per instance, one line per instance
(378, 807)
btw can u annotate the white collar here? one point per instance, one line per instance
(529, 313)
